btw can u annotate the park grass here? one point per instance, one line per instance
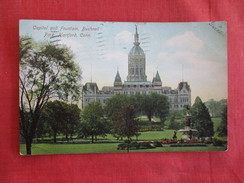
(49, 148)
(39, 149)
(154, 135)
(149, 135)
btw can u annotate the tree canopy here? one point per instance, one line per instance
(216, 107)
(93, 122)
(201, 119)
(222, 130)
(175, 120)
(122, 115)
(59, 117)
(151, 105)
(46, 71)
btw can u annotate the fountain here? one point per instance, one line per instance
(188, 132)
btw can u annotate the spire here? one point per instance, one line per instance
(136, 36)
(117, 81)
(157, 78)
(117, 77)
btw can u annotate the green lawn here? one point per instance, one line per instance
(38, 149)
(150, 135)
(45, 148)
(70, 148)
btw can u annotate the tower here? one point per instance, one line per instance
(136, 62)
(117, 80)
(184, 94)
(117, 83)
(157, 80)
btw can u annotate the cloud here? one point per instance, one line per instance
(202, 72)
(185, 49)
(191, 61)
(74, 45)
(187, 41)
(124, 37)
(115, 56)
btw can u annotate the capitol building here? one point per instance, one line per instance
(137, 83)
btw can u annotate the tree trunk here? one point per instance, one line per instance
(71, 137)
(55, 137)
(150, 121)
(28, 145)
(92, 139)
(128, 144)
(149, 118)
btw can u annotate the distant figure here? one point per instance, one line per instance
(174, 136)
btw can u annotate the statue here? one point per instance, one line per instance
(188, 120)
(174, 136)
(188, 132)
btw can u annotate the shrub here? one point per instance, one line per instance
(157, 144)
(218, 142)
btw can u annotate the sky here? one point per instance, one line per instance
(195, 52)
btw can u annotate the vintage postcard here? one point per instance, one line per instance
(113, 87)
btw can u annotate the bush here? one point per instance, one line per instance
(122, 146)
(138, 145)
(146, 145)
(218, 142)
(157, 144)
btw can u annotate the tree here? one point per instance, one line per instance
(222, 129)
(162, 107)
(43, 127)
(53, 115)
(93, 122)
(46, 71)
(149, 107)
(122, 115)
(60, 117)
(71, 120)
(175, 120)
(201, 119)
(138, 103)
(216, 107)
(156, 105)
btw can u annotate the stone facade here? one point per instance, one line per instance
(137, 83)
